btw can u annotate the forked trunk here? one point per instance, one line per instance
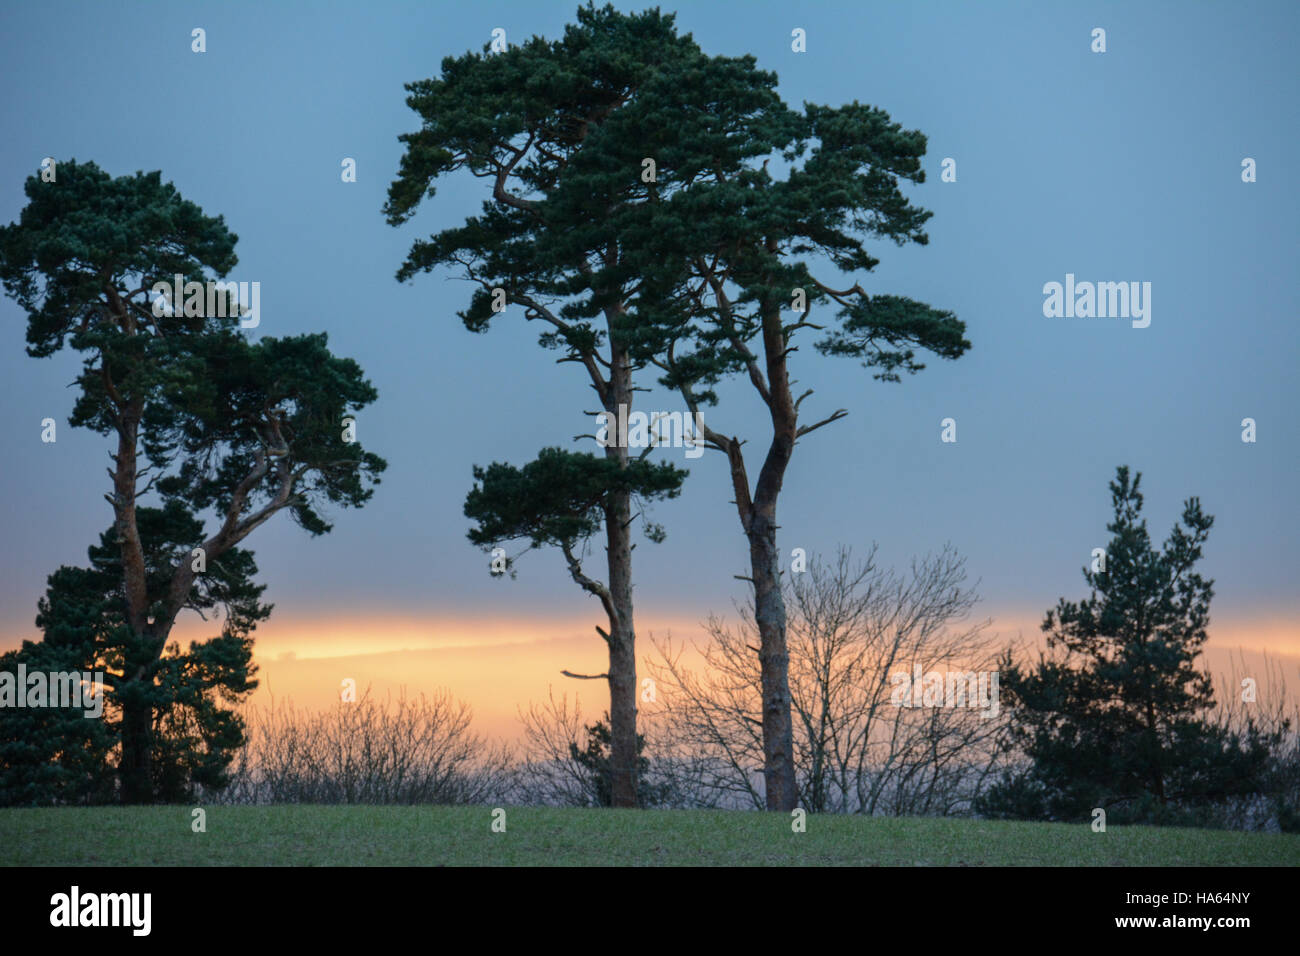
(765, 569)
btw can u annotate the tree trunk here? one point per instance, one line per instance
(128, 534)
(622, 635)
(757, 514)
(774, 664)
(765, 569)
(136, 770)
(622, 718)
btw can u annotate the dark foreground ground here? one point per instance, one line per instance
(463, 836)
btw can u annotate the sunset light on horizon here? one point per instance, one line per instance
(499, 664)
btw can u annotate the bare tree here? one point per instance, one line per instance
(549, 773)
(854, 631)
(402, 751)
(1262, 705)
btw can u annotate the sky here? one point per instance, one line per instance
(1117, 166)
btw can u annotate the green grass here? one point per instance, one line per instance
(462, 836)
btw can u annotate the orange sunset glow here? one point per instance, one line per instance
(498, 664)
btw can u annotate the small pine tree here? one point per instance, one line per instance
(595, 758)
(1116, 717)
(54, 755)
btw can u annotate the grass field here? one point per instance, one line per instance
(462, 836)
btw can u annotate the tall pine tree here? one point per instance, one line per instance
(559, 132)
(740, 263)
(201, 417)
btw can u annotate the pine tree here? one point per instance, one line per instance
(1116, 717)
(559, 131)
(594, 757)
(740, 265)
(203, 418)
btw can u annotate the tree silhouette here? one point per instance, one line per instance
(203, 418)
(1116, 717)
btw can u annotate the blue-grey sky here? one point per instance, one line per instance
(1115, 166)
